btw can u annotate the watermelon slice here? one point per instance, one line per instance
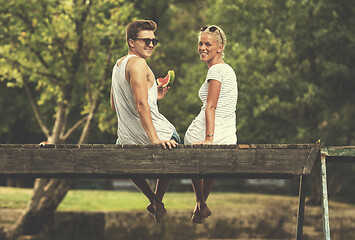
(168, 80)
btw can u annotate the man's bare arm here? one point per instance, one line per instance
(112, 102)
(138, 72)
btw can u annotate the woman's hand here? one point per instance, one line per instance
(162, 91)
(206, 142)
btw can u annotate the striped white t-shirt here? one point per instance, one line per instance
(227, 101)
(225, 116)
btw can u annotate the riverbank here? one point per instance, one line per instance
(121, 215)
(273, 222)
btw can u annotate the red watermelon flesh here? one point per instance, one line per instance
(167, 80)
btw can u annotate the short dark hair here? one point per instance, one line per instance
(135, 27)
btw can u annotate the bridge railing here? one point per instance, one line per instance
(150, 161)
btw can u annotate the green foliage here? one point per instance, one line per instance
(294, 78)
(293, 61)
(65, 48)
(17, 124)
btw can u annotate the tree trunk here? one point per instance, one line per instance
(47, 195)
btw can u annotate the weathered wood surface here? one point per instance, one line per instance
(339, 154)
(124, 161)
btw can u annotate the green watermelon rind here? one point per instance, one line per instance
(168, 80)
(171, 73)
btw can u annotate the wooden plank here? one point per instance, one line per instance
(314, 153)
(99, 160)
(339, 154)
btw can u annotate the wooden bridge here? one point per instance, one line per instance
(150, 161)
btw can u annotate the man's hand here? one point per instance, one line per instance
(162, 91)
(165, 143)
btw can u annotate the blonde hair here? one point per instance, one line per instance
(218, 33)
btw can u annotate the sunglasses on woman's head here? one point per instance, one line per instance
(212, 29)
(147, 41)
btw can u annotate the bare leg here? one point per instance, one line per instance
(198, 189)
(158, 207)
(162, 187)
(201, 210)
(144, 186)
(197, 185)
(207, 187)
(160, 190)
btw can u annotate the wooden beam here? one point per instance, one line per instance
(126, 161)
(339, 154)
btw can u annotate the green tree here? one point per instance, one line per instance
(324, 46)
(293, 61)
(17, 124)
(66, 49)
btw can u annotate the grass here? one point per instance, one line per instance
(14, 197)
(102, 200)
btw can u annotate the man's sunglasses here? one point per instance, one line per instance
(147, 41)
(212, 29)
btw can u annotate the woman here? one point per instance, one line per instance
(216, 122)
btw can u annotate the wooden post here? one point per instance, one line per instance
(326, 226)
(301, 205)
(338, 154)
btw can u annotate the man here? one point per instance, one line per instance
(134, 95)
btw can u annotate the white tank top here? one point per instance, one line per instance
(129, 128)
